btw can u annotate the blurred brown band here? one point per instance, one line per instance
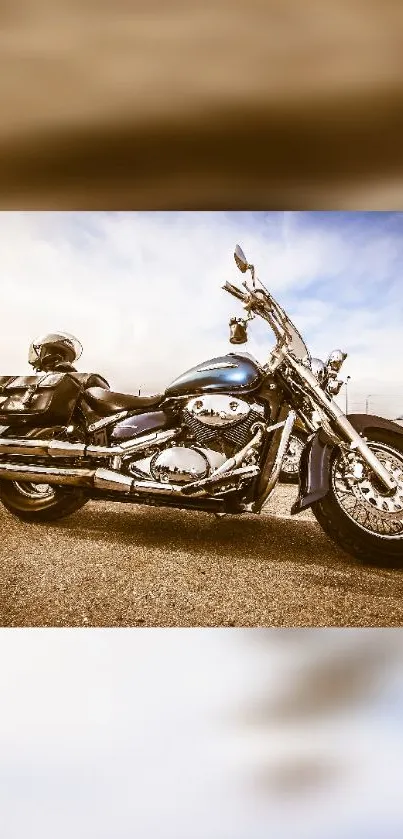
(300, 157)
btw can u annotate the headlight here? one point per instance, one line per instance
(326, 374)
(319, 370)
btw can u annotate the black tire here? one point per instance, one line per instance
(352, 537)
(35, 508)
(288, 477)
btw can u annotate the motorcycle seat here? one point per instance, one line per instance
(106, 402)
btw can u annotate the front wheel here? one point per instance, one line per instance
(358, 513)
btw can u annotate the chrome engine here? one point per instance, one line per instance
(221, 419)
(178, 464)
(213, 428)
(218, 411)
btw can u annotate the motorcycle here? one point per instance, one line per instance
(215, 440)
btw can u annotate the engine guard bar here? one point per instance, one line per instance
(288, 426)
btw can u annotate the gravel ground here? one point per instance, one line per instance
(117, 565)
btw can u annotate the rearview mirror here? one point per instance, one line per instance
(319, 370)
(240, 259)
(336, 360)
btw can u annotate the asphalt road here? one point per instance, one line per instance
(117, 565)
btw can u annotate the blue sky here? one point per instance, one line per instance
(142, 291)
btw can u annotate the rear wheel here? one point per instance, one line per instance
(357, 513)
(41, 502)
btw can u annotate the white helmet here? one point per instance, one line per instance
(53, 349)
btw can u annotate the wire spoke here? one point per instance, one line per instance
(363, 501)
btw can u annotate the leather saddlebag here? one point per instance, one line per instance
(45, 399)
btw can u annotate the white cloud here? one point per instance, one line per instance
(142, 291)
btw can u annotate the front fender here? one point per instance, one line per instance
(314, 475)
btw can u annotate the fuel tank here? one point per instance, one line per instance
(227, 374)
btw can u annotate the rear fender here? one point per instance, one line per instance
(314, 476)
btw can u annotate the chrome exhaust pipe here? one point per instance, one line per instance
(155, 488)
(110, 481)
(61, 448)
(103, 479)
(45, 475)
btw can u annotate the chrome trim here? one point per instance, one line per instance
(104, 479)
(241, 458)
(218, 366)
(179, 464)
(278, 462)
(102, 423)
(107, 479)
(31, 490)
(145, 441)
(140, 468)
(249, 452)
(61, 448)
(56, 448)
(45, 475)
(116, 463)
(336, 360)
(274, 427)
(242, 466)
(214, 481)
(154, 488)
(218, 410)
(334, 387)
(9, 445)
(243, 473)
(183, 464)
(14, 404)
(141, 444)
(319, 370)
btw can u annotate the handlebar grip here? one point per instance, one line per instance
(232, 289)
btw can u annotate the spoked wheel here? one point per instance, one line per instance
(358, 513)
(290, 467)
(35, 491)
(41, 502)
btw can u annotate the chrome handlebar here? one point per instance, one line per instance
(260, 302)
(236, 292)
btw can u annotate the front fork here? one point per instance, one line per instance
(331, 408)
(358, 444)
